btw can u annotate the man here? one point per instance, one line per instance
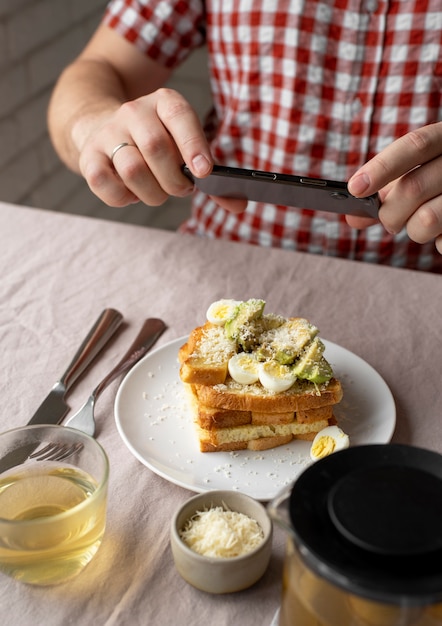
(342, 89)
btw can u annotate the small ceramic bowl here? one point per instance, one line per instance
(214, 574)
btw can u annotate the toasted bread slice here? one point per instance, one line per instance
(261, 419)
(256, 437)
(313, 415)
(265, 443)
(204, 358)
(302, 396)
(210, 417)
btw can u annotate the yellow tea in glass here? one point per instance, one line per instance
(52, 512)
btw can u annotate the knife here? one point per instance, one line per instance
(54, 408)
(149, 334)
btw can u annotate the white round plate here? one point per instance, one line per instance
(155, 424)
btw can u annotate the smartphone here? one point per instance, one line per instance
(302, 192)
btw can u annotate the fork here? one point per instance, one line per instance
(56, 452)
(151, 330)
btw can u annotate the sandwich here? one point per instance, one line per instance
(256, 380)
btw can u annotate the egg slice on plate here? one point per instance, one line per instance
(328, 440)
(220, 311)
(243, 368)
(276, 377)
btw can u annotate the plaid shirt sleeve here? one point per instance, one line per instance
(165, 30)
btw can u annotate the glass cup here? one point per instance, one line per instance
(52, 509)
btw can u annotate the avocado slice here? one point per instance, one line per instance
(290, 339)
(240, 327)
(321, 372)
(312, 365)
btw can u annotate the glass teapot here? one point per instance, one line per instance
(364, 543)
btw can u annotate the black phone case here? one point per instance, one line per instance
(302, 192)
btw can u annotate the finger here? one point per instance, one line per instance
(426, 223)
(170, 126)
(398, 158)
(364, 222)
(103, 180)
(133, 171)
(410, 192)
(182, 122)
(233, 205)
(360, 222)
(439, 244)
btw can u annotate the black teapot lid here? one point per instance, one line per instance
(369, 519)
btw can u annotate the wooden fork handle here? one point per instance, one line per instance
(148, 335)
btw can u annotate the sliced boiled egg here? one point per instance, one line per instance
(275, 377)
(222, 310)
(243, 368)
(328, 440)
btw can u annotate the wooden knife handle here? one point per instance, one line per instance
(96, 339)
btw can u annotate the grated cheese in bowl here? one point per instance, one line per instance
(221, 541)
(221, 533)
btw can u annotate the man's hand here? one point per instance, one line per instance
(408, 176)
(161, 131)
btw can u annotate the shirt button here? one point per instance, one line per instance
(371, 5)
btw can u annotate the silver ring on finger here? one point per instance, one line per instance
(118, 147)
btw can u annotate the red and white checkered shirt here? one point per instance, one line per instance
(310, 87)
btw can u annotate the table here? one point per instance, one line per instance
(60, 271)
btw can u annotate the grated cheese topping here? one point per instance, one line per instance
(256, 389)
(216, 348)
(221, 533)
(292, 334)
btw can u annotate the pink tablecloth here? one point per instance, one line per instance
(59, 272)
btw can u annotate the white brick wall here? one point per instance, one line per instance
(38, 38)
